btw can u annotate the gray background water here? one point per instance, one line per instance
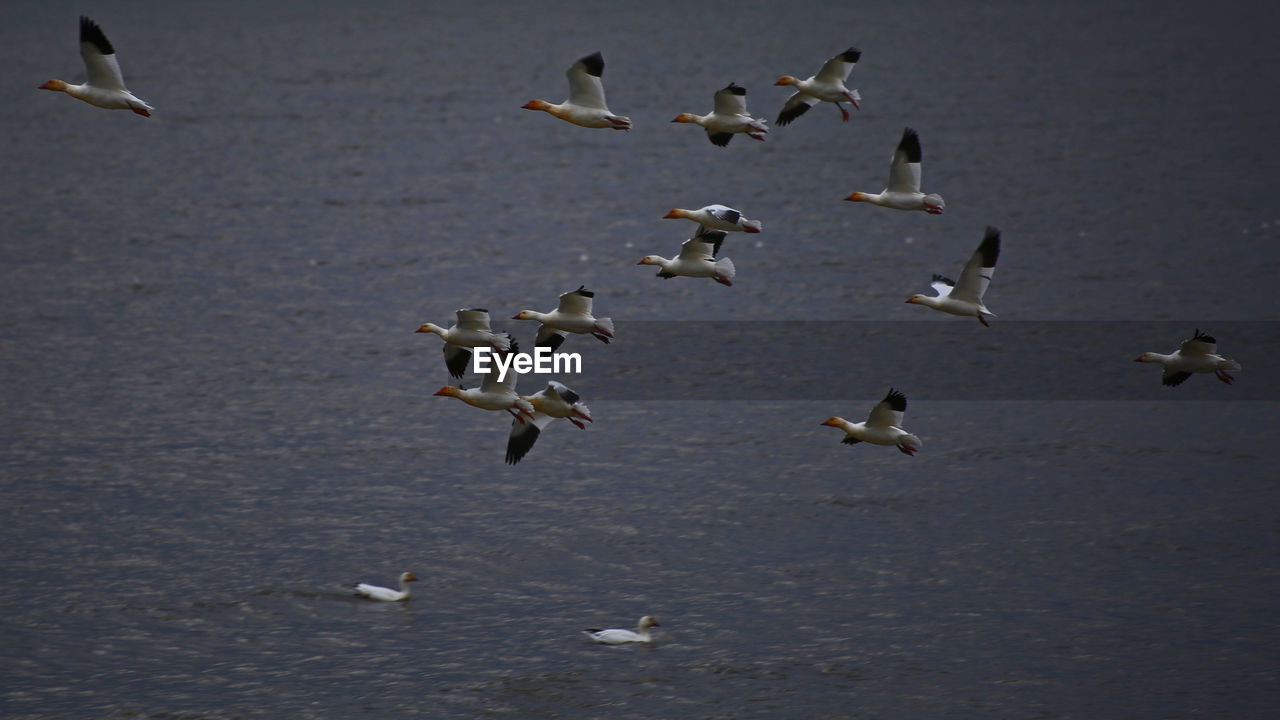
(216, 416)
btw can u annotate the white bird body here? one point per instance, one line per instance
(572, 315)
(728, 117)
(826, 86)
(375, 592)
(493, 394)
(882, 427)
(105, 86)
(964, 297)
(618, 636)
(717, 217)
(903, 190)
(1197, 354)
(471, 331)
(586, 105)
(555, 401)
(697, 259)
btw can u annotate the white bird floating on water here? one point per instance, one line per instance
(556, 400)
(826, 86)
(493, 394)
(903, 192)
(883, 425)
(471, 331)
(717, 217)
(728, 117)
(586, 105)
(375, 592)
(965, 297)
(697, 259)
(618, 636)
(105, 86)
(572, 315)
(1196, 355)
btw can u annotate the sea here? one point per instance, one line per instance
(216, 417)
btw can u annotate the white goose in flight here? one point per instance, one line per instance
(882, 427)
(1198, 354)
(903, 191)
(586, 105)
(964, 297)
(105, 86)
(728, 117)
(826, 86)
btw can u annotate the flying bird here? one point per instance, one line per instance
(965, 297)
(882, 427)
(556, 400)
(697, 259)
(728, 117)
(573, 315)
(717, 217)
(1196, 355)
(903, 192)
(493, 394)
(471, 331)
(586, 105)
(105, 86)
(826, 86)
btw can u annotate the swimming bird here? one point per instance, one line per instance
(556, 400)
(882, 427)
(374, 592)
(471, 331)
(105, 86)
(826, 86)
(617, 636)
(697, 259)
(573, 315)
(727, 117)
(1196, 355)
(965, 297)
(717, 217)
(493, 394)
(586, 105)
(903, 192)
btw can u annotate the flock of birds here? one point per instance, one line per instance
(586, 107)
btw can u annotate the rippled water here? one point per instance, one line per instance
(216, 416)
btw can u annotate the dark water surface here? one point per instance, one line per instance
(216, 417)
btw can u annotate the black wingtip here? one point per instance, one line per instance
(897, 401)
(852, 55)
(594, 64)
(1175, 379)
(850, 440)
(786, 116)
(1204, 337)
(943, 278)
(91, 33)
(736, 89)
(584, 292)
(518, 445)
(719, 139)
(990, 247)
(553, 341)
(910, 144)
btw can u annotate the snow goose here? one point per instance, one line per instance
(697, 259)
(883, 425)
(493, 394)
(727, 117)
(965, 297)
(556, 400)
(903, 192)
(375, 592)
(472, 330)
(618, 636)
(1196, 355)
(826, 86)
(585, 106)
(717, 217)
(573, 315)
(105, 86)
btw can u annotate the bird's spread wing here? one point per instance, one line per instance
(719, 139)
(839, 67)
(795, 106)
(724, 214)
(577, 302)
(710, 236)
(976, 275)
(491, 383)
(585, 88)
(473, 319)
(549, 337)
(904, 169)
(1199, 344)
(694, 249)
(564, 391)
(942, 285)
(732, 100)
(1173, 377)
(99, 57)
(888, 412)
(524, 435)
(456, 358)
